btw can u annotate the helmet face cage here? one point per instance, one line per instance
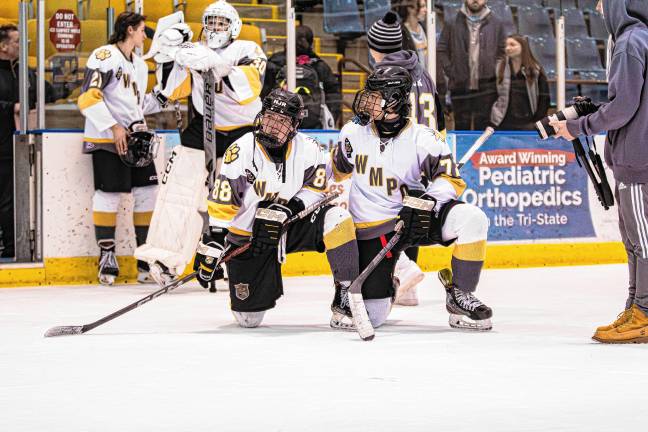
(393, 85)
(368, 105)
(142, 149)
(281, 115)
(221, 23)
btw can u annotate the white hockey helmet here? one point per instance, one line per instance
(221, 23)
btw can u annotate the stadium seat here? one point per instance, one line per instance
(566, 4)
(251, 33)
(588, 5)
(545, 51)
(525, 3)
(575, 26)
(597, 92)
(583, 54)
(450, 11)
(9, 10)
(597, 26)
(96, 9)
(50, 49)
(534, 22)
(342, 16)
(52, 6)
(93, 34)
(193, 9)
(375, 10)
(154, 10)
(503, 12)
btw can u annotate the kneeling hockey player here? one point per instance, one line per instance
(386, 156)
(267, 176)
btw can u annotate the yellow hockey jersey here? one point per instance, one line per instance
(249, 175)
(237, 99)
(113, 92)
(383, 170)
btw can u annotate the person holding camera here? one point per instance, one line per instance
(626, 153)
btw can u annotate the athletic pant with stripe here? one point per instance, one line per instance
(632, 199)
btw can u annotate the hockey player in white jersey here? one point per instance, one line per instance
(267, 176)
(387, 156)
(238, 67)
(114, 103)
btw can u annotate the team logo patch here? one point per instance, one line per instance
(103, 54)
(231, 154)
(249, 176)
(347, 148)
(242, 291)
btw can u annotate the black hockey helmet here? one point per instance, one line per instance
(142, 146)
(272, 132)
(387, 90)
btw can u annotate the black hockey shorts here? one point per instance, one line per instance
(380, 283)
(192, 136)
(111, 175)
(255, 281)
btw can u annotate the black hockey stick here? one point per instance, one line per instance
(80, 329)
(356, 302)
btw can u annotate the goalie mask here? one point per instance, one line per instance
(142, 146)
(221, 24)
(387, 90)
(280, 116)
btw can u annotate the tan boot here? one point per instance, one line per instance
(635, 330)
(621, 319)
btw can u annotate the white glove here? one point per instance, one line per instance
(201, 58)
(170, 40)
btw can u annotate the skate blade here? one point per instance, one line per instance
(338, 323)
(463, 323)
(107, 280)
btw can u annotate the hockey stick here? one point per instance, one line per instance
(209, 133)
(356, 302)
(480, 142)
(74, 330)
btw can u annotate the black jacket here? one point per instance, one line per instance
(8, 98)
(454, 45)
(326, 76)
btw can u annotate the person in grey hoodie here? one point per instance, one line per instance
(625, 118)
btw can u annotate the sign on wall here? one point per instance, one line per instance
(65, 30)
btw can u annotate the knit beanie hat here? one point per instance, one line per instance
(385, 35)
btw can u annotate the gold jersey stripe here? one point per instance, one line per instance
(222, 212)
(89, 98)
(363, 225)
(254, 79)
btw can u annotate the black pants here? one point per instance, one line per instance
(7, 208)
(472, 109)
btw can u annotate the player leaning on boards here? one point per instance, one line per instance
(386, 154)
(238, 67)
(114, 104)
(625, 120)
(267, 176)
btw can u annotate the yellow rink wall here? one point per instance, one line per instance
(70, 249)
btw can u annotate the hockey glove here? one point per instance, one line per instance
(416, 215)
(268, 223)
(210, 248)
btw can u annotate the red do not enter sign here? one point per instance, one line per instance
(65, 30)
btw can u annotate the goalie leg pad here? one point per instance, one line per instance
(177, 224)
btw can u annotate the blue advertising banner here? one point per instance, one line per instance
(529, 188)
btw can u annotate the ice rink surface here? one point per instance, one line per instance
(179, 363)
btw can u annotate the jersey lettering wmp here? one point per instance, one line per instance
(382, 172)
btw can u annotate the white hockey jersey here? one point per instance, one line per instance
(237, 99)
(382, 171)
(248, 176)
(113, 92)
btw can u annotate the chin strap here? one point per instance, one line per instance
(389, 128)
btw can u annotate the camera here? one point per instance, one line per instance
(582, 106)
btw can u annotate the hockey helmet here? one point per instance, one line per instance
(221, 24)
(281, 114)
(387, 90)
(142, 146)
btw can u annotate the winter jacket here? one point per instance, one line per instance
(537, 97)
(9, 95)
(625, 117)
(454, 46)
(428, 109)
(326, 76)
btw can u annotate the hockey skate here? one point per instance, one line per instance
(342, 318)
(161, 274)
(108, 267)
(409, 275)
(466, 311)
(143, 274)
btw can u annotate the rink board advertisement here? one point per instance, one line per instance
(529, 188)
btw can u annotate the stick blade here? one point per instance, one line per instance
(64, 331)
(360, 317)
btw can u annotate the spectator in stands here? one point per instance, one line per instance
(306, 56)
(523, 91)
(470, 47)
(624, 119)
(412, 14)
(9, 109)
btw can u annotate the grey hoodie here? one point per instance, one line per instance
(625, 117)
(427, 107)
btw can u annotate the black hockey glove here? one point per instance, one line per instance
(268, 223)
(416, 215)
(210, 248)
